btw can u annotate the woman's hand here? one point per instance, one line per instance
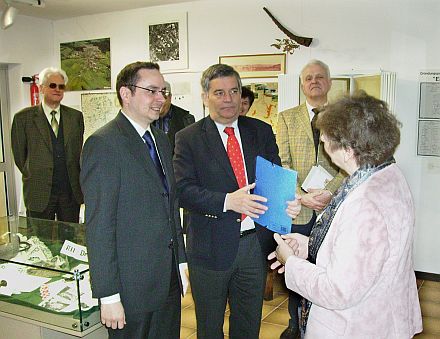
(288, 244)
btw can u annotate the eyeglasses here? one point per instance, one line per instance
(153, 92)
(61, 87)
(221, 94)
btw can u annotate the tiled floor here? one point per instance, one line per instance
(275, 314)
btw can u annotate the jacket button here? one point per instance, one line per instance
(238, 220)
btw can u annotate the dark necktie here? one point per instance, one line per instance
(315, 131)
(54, 123)
(235, 158)
(155, 157)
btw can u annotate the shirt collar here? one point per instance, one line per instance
(141, 131)
(47, 110)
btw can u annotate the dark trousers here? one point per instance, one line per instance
(162, 323)
(242, 286)
(63, 205)
(66, 209)
(295, 298)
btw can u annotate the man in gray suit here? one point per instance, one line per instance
(47, 141)
(134, 238)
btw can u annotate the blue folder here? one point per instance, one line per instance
(278, 185)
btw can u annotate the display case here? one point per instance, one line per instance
(44, 275)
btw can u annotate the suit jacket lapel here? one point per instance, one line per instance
(215, 144)
(42, 125)
(137, 148)
(68, 124)
(304, 119)
(164, 158)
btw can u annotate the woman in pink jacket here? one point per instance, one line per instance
(355, 271)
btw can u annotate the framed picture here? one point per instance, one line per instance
(87, 64)
(167, 42)
(257, 66)
(265, 105)
(340, 87)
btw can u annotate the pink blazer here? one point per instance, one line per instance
(363, 284)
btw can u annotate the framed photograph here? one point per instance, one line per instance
(87, 64)
(340, 87)
(265, 105)
(168, 43)
(257, 66)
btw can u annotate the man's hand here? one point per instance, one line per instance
(242, 202)
(316, 199)
(293, 207)
(112, 315)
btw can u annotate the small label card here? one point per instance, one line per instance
(73, 250)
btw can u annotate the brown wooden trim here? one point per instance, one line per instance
(427, 276)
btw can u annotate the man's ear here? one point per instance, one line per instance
(205, 99)
(125, 93)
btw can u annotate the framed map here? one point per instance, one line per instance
(98, 109)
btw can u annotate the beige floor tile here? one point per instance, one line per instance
(188, 318)
(278, 299)
(431, 326)
(430, 309)
(426, 336)
(270, 331)
(431, 284)
(278, 317)
(187, 300)
(186, 332)
(429, 294)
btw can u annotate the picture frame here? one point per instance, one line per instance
(167, 40)
(87, 64)
(257, 65)
(340, 87)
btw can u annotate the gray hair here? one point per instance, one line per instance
(49, 71)
(218, 71)
(312, 62)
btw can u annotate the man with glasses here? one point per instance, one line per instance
(214, 163)
(46, 141)
(134, 238)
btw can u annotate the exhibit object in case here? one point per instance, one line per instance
(44, 275)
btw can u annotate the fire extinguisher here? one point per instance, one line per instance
(35, 92)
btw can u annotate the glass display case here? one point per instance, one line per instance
(44, 275)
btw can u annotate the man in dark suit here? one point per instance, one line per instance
(134, 238)
(47, 141)
(172, 118)
(226, 249)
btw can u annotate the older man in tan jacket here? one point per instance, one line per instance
(298, 151)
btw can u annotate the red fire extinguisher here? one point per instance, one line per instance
(35, 92)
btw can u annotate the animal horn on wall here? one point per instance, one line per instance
(299, 39)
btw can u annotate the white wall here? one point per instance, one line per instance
(399, 35)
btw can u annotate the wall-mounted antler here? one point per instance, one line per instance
(299, 39)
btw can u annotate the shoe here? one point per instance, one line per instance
(290, 333)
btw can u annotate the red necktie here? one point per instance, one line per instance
(236, 159)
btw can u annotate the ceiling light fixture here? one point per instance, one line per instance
(11, 12)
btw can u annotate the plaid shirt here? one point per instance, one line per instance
(297, 151)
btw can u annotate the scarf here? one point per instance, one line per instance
(322, 225)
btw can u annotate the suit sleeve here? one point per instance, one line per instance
(194, 194)
(358, 255)
(100, 182)
(19, 143)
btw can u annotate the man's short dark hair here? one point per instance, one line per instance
(129, 75)
(218, 71)
(247, 93)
